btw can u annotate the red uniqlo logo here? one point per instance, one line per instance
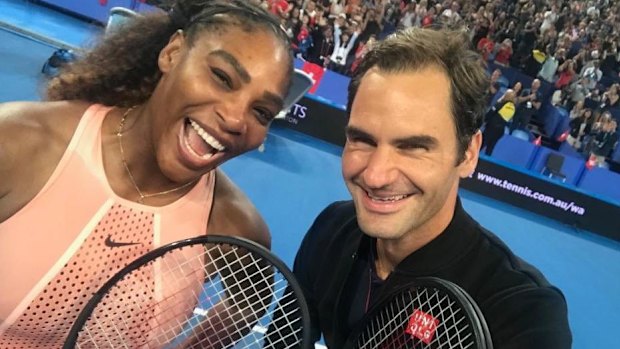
(422, 326)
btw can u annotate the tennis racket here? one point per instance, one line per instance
(204, 292)
(426, 313)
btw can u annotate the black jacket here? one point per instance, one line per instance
(521, 308)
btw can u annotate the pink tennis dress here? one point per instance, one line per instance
(74, 235)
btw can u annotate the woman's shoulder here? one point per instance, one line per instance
(234, 214)
(40, 118)
(38, 132)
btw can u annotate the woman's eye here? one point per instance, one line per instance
(263, 116)
(222, 77)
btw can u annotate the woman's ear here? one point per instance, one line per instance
(170, 54)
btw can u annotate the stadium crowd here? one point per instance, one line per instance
(570, 47)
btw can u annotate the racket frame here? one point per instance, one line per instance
(480, 329)
(150, 256)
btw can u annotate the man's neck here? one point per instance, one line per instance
(389, 253)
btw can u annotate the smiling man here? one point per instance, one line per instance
(416, 105)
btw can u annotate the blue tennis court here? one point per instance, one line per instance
(296, 176)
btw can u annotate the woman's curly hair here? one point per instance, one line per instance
(123, 69)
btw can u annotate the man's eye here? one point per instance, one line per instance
(360, 140)
(414, 147)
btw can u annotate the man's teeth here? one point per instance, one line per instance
(207, 137)
(388, 198)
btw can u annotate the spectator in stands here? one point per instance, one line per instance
(279, 7)
(605, 141)
(610, 99)
(529, 102)
(343, 43)
(372, 24)
(580, 126)
(593, 75)
(309, 9)
(502, 56)
(481, 29)
(611, 57)
(577, 92)
(409, 17)
(497, 119)
(527, 40)
(517, 87)
(486, 46)
(361, 51)
(429, 19)
(450, 16)
(508, 31)
(550, 66)
(550, 17)
(494, 84)
(567, 74)
(302, 40)
(421, 10)
(337, 8)
(323, 45)
(576, 110)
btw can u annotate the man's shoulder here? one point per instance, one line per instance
(335, 217)
(522, 308)
(337, 222)
(508, 266)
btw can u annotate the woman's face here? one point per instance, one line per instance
(518, 87)
(216, 98)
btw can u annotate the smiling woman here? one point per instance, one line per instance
(123, 156)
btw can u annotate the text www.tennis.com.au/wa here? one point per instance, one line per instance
(525, 191)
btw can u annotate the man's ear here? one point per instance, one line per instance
(470, 159)
(169, 56)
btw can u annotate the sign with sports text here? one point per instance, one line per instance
(317, 119)
(545, 197)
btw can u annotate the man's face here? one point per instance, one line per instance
(399, 160)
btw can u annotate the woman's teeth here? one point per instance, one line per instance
(210, 140)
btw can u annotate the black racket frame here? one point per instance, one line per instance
(480, 329)
(148, 257)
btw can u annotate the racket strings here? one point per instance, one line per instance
(220, 302)
(171, 272)
(278, 286)
(387, 328)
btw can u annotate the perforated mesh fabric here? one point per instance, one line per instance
(47, 320)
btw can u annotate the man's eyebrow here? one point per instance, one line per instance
(230, 59)
(417, 141)
(411, 141)
(354, 132)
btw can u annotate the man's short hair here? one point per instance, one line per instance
(449, 50)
